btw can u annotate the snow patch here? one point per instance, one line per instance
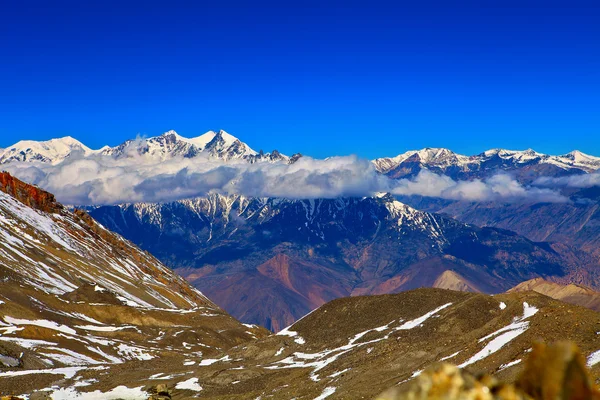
(418, 321)
(508, 365)
(593, 359)
(120, 392)
(503, 335)
(328, 391)
(190, 384)
(43, 323)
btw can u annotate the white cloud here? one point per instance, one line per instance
(574, 181)
(501, 187)
(141, 178)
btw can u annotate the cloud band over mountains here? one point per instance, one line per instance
(107, 180)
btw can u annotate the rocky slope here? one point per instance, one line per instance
(573, 228)
(74, 295)
(350, 348)
(270, 261)
(577, 223)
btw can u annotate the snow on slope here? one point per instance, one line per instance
(56, 252)
(75, 294)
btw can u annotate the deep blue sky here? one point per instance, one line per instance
(323, 78)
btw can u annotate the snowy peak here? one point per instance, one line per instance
(427, 156)
(169, 144)
(440, 160)
(216, 145)
(439, 156)
(202, 140)
(577, 157)
(50, 151)
(518, 156)
(225, 146)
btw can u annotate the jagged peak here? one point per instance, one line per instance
(579, 156)
(385, 196)
(510, 153)
(172, 133)
(394, 206)
(220, 136)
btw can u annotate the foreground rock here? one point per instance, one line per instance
(551, 372)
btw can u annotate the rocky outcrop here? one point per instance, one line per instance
(160, 392)
(29, 195)
(551, 372)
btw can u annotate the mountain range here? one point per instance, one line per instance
(270, 261)
(526, 165)
(305, 252)
(222, 145)
(217, 145)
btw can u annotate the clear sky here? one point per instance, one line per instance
(319, 77)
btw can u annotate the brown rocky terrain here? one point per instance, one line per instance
(452, 281)
(29, 195)
(353, 347)
(75, 296)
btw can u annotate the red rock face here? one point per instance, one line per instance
(29, 195)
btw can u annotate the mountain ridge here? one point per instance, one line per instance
(217, 145)
(67, 329)
(485, 164)
(223, 145)
(306, 252)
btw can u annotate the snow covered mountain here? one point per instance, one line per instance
(212, 145)
(226, 147)
(446, 162)
(270, 261)
(219, 145)
(52, 151)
